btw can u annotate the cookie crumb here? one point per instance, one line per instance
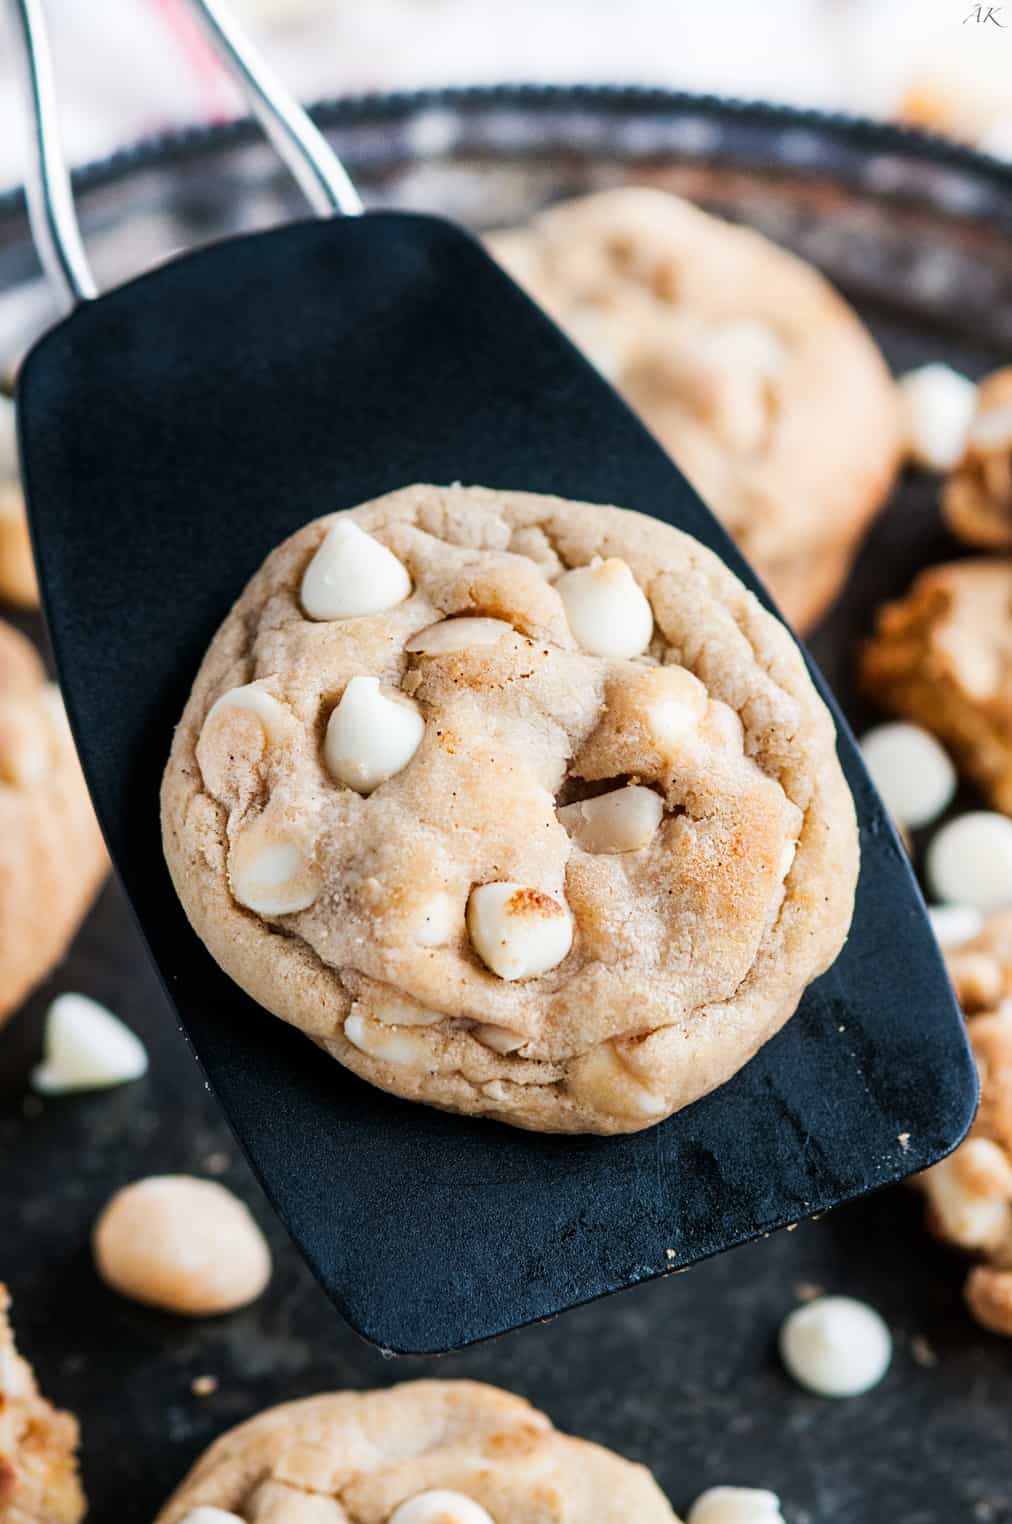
(217, 1164)
(903, 1139)
(204, 1386)
(670, 1255)
(807, 1291)
(921, 1352)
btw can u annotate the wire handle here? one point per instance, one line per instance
(318, 171)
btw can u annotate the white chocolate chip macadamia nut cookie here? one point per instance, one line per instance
(51, 855)
(554, 828)
(425, 1452)
(762, 383)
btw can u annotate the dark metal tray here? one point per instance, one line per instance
(681, 1374)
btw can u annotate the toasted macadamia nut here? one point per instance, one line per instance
(836, 1346)
(352, 574)
(607, 610)
(389, 1043)
(86, 1048)
(938, 406)
(269, 874)
(370, 737)
(911, 771)
(273, 716)
(954, 924)
(969, 862)
(621, 821)
(440, 1507)
(518, 932)
(400, 1012)
(736, 1505)
(971, 1195)
(184, 1244)
(499, 1039)
(461, 634)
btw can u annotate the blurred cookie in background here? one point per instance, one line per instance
(18, 585)
(977, 498)
(38, 1445)
(758, 378)
(52, 858)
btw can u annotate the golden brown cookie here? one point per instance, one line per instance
(977, 498)
(372, 1457)
(38, 1445)
(52, 859)
(555, 834)
(18, 585)
(970, 1193)
(942, 656)
(749, 368)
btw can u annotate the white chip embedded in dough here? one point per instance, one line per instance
(736, 1505)
(969, 862)
(440, 1507)
(836, 1346)
(352, 574)
(436, 920)
(518, 932)
(938, 405)
(459, 634)
(390, 1044)
(206, 1514)
(622, 820)
(607, 610)
(500, 1039)
(271, 875)
(911, 771)
(87, 1048)
(273, 716)
(370, 737)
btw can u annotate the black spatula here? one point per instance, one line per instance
(172, 433)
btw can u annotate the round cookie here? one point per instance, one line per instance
(361, 1457)
(591, 885)
(749, 368)
(52, 859)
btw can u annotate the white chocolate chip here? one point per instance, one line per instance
(273, 716)
(184, 1244)
(86, 1048)
(938, 406)
(399, 1013)
(607, 610)
(836, 1346)
(461, 634)
(602, 1080)
(205, 1514)
(379, 1041)
(440, 1507)
(620, 821)
(370, 737)
(518, 932)
(352, 574)
(736, 1505)
(499, 1039)
(954, 924)
(436, 921)
(911, 771)
(270, 874)
(969, 862)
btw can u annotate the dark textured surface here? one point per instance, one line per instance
(681, 1374)
(399, 352)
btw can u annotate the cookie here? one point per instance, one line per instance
(744, 362)
(970, 1193)
(942, 656)
(366, 1457)
(977, 497)
(51, 855)
(542, 801)
(18, 585)
(38, 1445)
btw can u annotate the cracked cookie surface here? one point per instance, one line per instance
(749, 368)
(52, 859)
(359, 1458)
(569, 890)
(38, 1445)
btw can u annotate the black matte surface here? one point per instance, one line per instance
(172, 434)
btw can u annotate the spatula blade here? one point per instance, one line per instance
(172, 433)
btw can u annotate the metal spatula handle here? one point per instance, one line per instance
(317, 169)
